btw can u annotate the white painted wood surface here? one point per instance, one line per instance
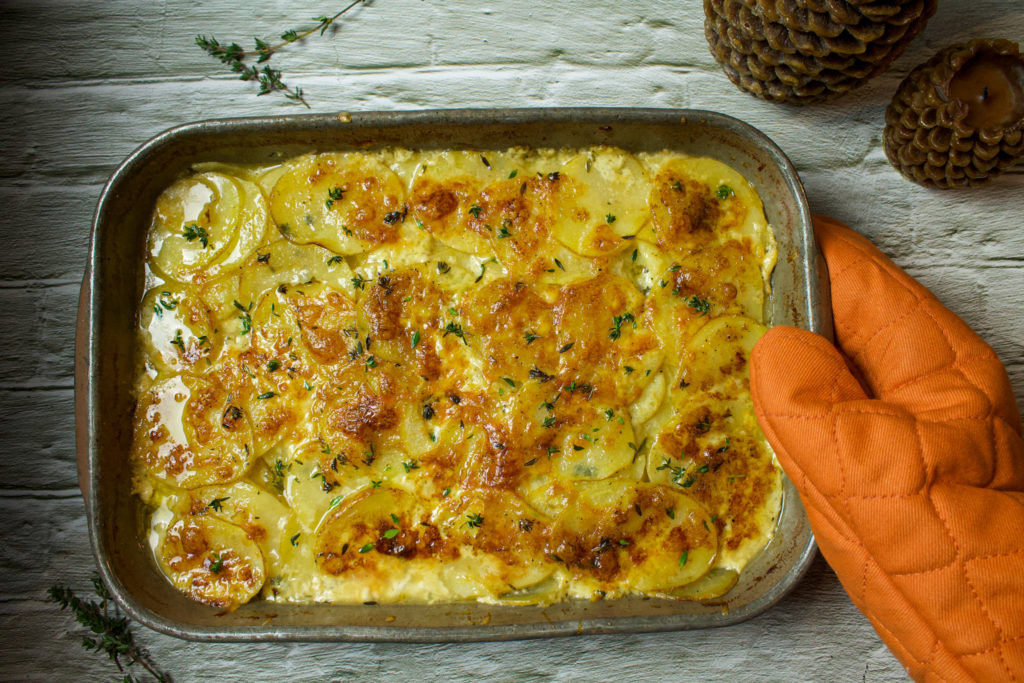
(86, 81)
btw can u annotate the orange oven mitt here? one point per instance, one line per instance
(905, 444)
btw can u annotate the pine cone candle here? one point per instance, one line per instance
(803, 51)
(958, 119)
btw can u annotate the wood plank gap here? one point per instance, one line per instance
(24, 388)
(39, 284)
(39, 494)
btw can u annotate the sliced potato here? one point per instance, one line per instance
(511, 216)
(650, 400)
(507, 538)
(283, 262)
(714, 584)
(411, 247)
(218, 295)
(176, 331)
(345, 202)
(251, 225)
(191, 432)
(260, 514)
(600, 198)
(211, 561)
(445, 198)
(599, 324)
(327, 320)
(719, 354)
(549, 590)
(194, 224)
(660, 538)
(510, 326)
(374, 531)
(315, 479)
(599, 444)
(687, 446)
(697, 201)
(402, 312)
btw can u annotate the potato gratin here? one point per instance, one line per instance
(514, 377)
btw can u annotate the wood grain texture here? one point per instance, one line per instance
(87, 81)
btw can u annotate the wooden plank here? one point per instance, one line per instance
(59, 217)
(46, 541)
(38, 441)
(38, 336)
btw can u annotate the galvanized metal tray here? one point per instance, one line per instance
(105, 364)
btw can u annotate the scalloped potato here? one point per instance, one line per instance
(512, 376)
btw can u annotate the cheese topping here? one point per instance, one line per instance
(429, 376)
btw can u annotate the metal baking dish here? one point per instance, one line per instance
(105, 364)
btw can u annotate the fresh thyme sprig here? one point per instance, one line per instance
(268, 78)
(113, 635)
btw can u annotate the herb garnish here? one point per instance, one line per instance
(537, 373)
(455, 329)
(245, 317)
(616, 330)
(530, 336)
(701, 306)
(215, 504)
(473, 520)
(168, 301)
(196, 232)
(335, 194)
(724, 192)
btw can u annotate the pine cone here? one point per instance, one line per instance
(803, 51)
(929, 136)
